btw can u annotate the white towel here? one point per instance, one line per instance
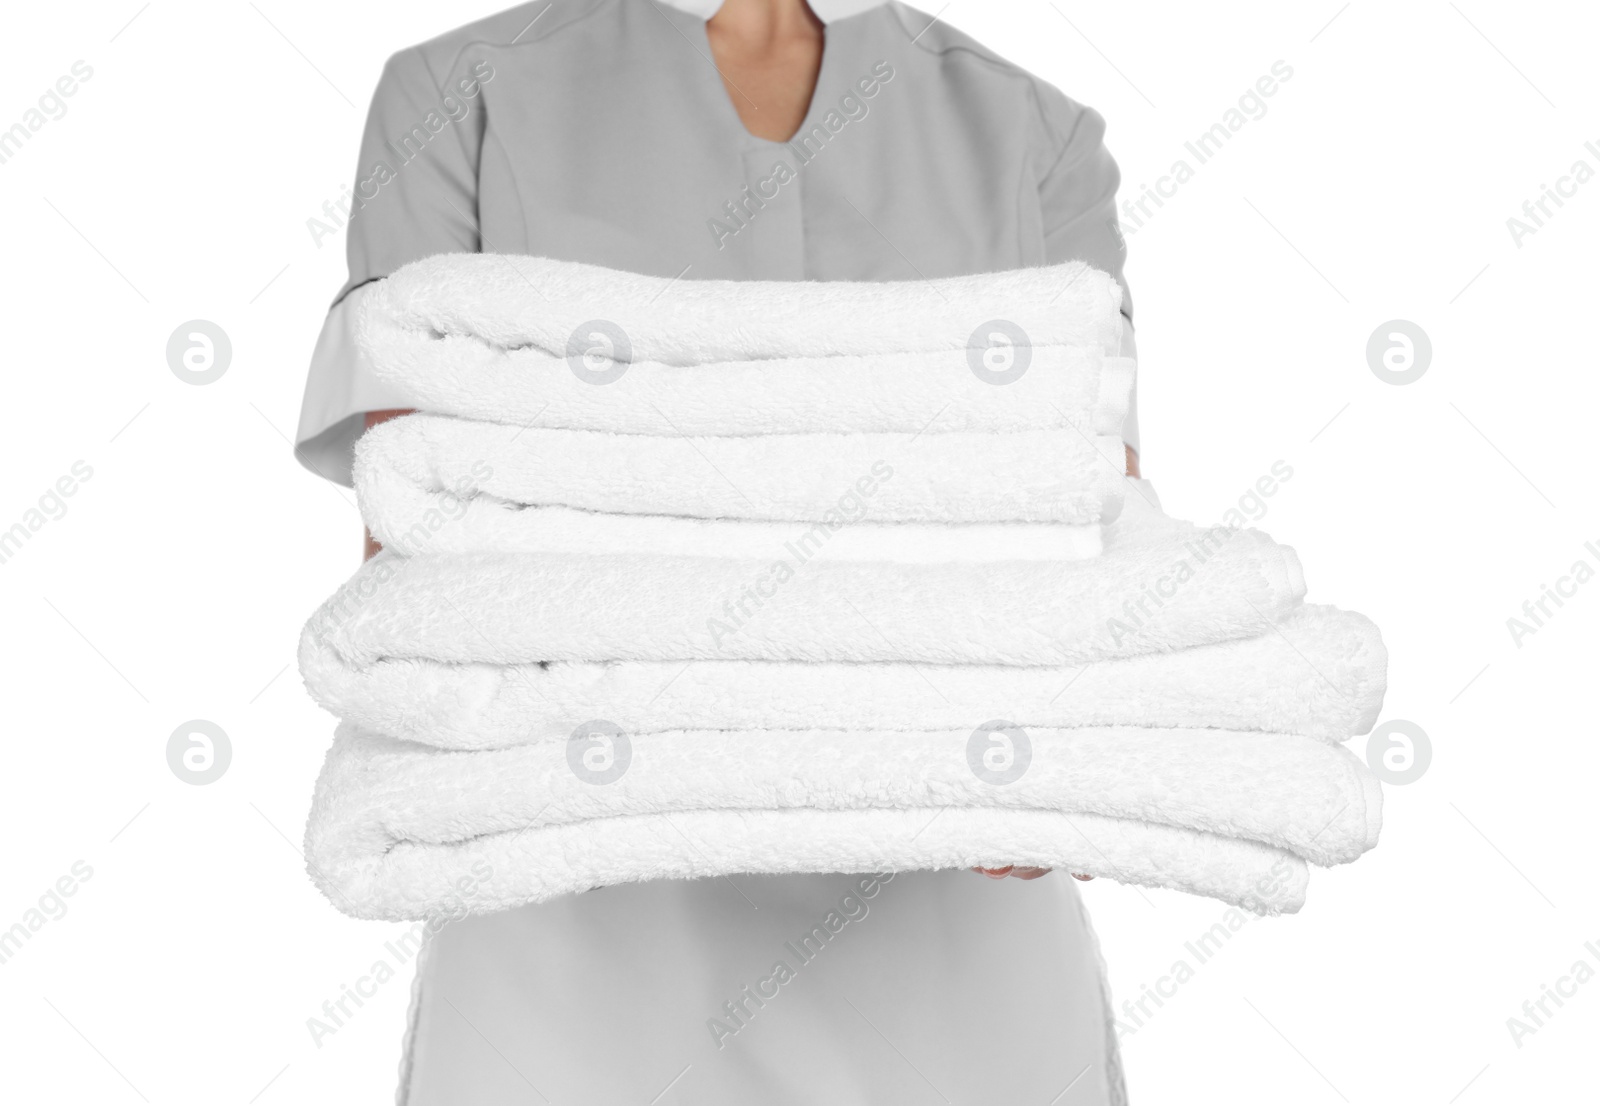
(510, 302)
(410, 520)
(406, 518)
(1319, 672)
(445, 474)
(1173, 590)
(1156, 807)
(904, 392)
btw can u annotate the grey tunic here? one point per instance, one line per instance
(599, 131)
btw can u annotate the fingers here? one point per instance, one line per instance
(1019, 873)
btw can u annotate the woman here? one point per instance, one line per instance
(759, 140)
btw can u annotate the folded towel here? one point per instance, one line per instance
(410, 520)
(1155, 807)
(509, 302)
(427, 470)
(1172, 589)
(1320, 672)
(904, 392)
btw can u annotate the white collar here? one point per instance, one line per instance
(829, 11)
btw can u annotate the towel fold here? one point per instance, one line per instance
(405, 517)
(422, 475)
(511, 302)
(1320, 672)
(688, 579)
(1173, 590)
(895, 392)
(1154, 807)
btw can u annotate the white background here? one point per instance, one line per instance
(1378, 186)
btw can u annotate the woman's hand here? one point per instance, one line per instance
(369, 546)
(1021, 873)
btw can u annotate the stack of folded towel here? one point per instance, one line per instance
(690, 578)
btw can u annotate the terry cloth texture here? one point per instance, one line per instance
(1154, 807)
(511, 303)
(1319, 673)
(520, 608)
(698, 578)
(477, 477)
(892, 392)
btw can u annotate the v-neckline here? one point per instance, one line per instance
(730, 110)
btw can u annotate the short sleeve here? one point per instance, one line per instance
(415, 196)
(1078, 201)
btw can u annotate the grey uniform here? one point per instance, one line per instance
(599, 131)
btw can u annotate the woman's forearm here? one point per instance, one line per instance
(370, 547)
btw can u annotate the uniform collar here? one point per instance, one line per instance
(829, 11)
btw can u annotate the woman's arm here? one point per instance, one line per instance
(1130, 428)
(400, 211)
(370, 547)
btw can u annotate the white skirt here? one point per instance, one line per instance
(815, 989)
